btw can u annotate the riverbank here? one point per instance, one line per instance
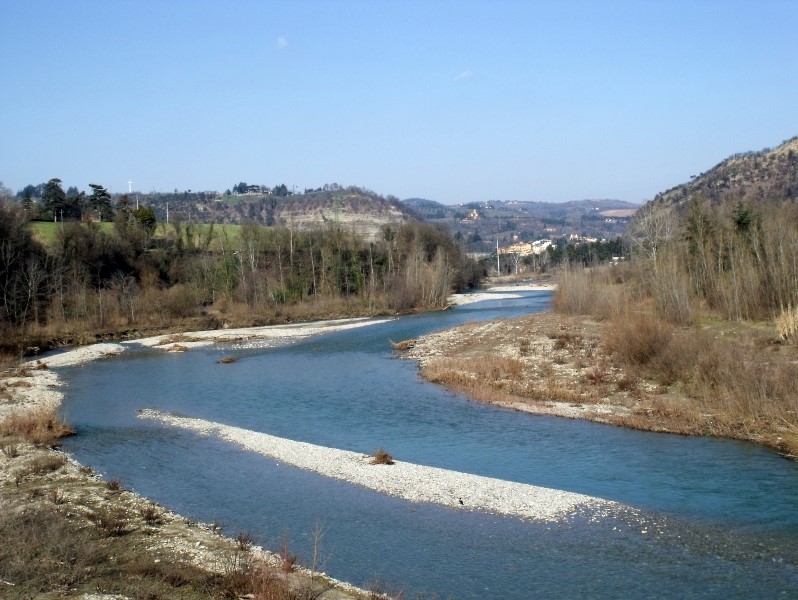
(561, 365)
(74, 533)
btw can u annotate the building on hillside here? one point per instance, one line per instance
(577, 239)
(526, 248)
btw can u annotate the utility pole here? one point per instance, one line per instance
(498, 266)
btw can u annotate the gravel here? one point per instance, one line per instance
(416, 483)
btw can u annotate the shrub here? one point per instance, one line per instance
(289, 560)
(381, 457)
(638, 338)
(787, 324)
(244, 540)
(48, 463)
(11, 450)
(111, 521)
(150, 514)
(588, 292)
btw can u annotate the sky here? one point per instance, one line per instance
(455, 101)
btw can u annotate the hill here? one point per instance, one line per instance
(480, 223)
(770, 174)
(355, 209)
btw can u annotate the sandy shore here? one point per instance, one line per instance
(499, 292)
(412, 482)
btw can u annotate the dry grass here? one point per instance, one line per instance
(719, 378)
(596, 292)
(10, 449)
(637, 338)
(787, 324)
(710, 378)
(63, 535)
(42, 427)
(529, 361)
(151, 514)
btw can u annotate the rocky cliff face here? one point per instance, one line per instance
(354, 209)
(364, 215)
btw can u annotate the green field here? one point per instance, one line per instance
(46, 232)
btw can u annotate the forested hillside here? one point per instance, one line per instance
(479, 224)
(706, 312)
(93, 281)
(751, 177)
(728, 238)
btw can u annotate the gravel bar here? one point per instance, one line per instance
(416, 483)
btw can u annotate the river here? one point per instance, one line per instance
(712, 518)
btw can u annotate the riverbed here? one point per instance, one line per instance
(707, 518)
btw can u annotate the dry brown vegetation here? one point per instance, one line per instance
(706, 379)
(65, 533)
(702, 318)
(541, 363)
(41, 427)
(706, 314)
(381, 457)
(92, 284)
(626, 349)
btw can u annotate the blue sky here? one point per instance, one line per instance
(456, 101)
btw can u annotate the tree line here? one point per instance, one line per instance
(49, 201)
(739, 259)
(140, 274)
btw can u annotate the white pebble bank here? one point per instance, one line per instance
(416, 483)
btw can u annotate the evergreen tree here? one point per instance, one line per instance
(54, 199)
(99, 202)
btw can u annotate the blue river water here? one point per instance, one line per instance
(715, 518)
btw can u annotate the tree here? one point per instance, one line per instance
(741, 216)
(22, 270)
(145, 217)
(27, 203)
(54, 198)
(650, 231)
(100, 202)
(123, 202)
(31, 191)
(5, 192)
(75, 200)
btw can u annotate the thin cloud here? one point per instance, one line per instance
(282, 42)
(464, 75)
